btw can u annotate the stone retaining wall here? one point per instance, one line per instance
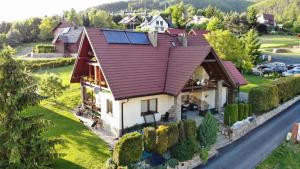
(259, 120)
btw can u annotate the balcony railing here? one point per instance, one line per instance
(200, 85)
(93, 81)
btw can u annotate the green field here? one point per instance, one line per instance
(286, 156)
(83, 149)
(253, 81)
(275, 41)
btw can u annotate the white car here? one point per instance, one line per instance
(295, 71)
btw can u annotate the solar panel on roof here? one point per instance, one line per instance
(138, 38)
(116, 37)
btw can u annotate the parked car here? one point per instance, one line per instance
(295, 71)
(272, 67)
(292, 66)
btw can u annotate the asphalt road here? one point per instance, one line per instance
(287, 59)
(250, 150)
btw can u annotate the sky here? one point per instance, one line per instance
(12, 10)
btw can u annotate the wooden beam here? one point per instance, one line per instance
(209, 60)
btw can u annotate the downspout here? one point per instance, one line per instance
(122, 116)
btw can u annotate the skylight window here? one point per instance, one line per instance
(66, 30)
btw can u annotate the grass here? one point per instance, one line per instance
(286, 156)
(275, 41)
(252, 82)
(83, 149)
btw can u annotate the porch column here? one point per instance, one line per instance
(83, 91)
(219, 96)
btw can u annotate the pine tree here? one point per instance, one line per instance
(252, 45)
(51, 85)
(207, 131)
(22, 144)
(252, 17)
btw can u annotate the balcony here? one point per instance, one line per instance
(93, 81)
(203, 85)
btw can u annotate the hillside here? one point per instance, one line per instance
(225, 5)
(284, 10)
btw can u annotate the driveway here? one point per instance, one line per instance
(250, 150)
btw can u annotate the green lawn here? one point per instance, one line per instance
(286, 156)
(274, 41)
(82, 149)
(253, 81)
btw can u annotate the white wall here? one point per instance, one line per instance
(132, 109)
(153, 26)
(112, 121)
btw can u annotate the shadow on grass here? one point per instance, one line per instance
(62, 163)
(81, 145)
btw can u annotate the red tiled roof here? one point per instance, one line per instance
(182, 64)
(62, 24)
(198, 32)
(140, 70)
(269, 17)
(234, 73)
(175, 31)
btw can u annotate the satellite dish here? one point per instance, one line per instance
(97, 90)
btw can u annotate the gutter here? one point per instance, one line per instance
(122, 116)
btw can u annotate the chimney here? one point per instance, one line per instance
(153, 38)
(183, 39)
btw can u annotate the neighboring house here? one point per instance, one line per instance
(66, 40)
(267, 19)
(132, 78)
(131, 22)
(175, 31)
(61, 24)
(198, 32)
(156, 23)
(199, 20)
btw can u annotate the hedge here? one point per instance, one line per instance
(285, 88)
(182, 136)
(149, 138)
(246, 111)
(263, 98)
(241, 111)
(190, 129)
(173, 134)
(231, 114)
(128, 149)
(44, 48)
(34, 65)
(161, 139)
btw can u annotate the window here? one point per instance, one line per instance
(162, 29)
(161, 23)
(109, 107)
(157, 22)
(149, 105)
(156, 28)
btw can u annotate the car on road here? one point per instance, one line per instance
(292, 66)
(272, 67)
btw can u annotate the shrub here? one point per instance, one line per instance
(204, 153)
(173, 134)
(240, 111)
(250, 112)
(182, 136)
(285, 88)
(44, 48)
(190, 129)
(246, 110)
(231, 114)
(208, 130)
(128, 149)
(185, 150)
(161, 139)
(110, 164)
(263, 98)
(173, 163)
(149, 138)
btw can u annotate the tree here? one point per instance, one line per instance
(215, 24)
(47, 24)
(22, 141)
(51, 85)
(73, 17)
(208, 130)
(230, 48)
(177, 13)
(99, 18)
(252, 45)
(252, 17)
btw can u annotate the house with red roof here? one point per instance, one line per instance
(198, 32)
(175, 31)
(133, 78)
(267, 19)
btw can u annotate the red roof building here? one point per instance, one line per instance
(175, 31)
(126, 76)
(198, 32)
